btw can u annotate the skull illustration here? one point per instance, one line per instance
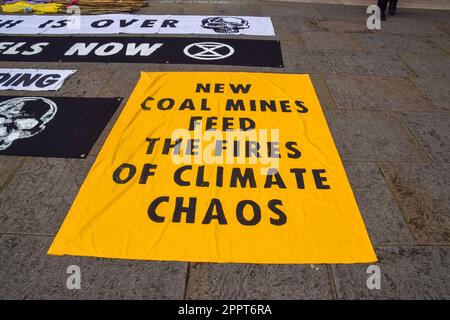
(225, 24)
(24, 117)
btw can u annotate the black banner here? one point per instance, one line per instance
(52, 126)
(239, 52)
(218, 309)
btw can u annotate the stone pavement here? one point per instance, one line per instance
(416, 4)
(386, 96)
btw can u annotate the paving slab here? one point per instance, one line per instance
(83, 84)
(343, 12)
(420, 16)
(288, 33)
(418, 4)
(367, 64)
(155, 8)
(290, 42)
(305, 61)
(437, 90)
(213, 68)
(422, 190)
(289, 37)
(356, 24)
(377, 93)
(250, 281)
(38, 197)
(237, 9)
(12, 93)
(444, 27)
(23, 65)
(27, 272)
(406, 273)
(396, 43)
(289, 9)
(124, 78)
(433, 131)
(322, 91)
(8, 166)
(372, 136)
(428, 66)
(330, 41)
(383, 219)
(198, 9)
(442, 42)
(395, 26)
(298, 24)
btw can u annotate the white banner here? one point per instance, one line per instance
(136, 24)
(33, 79)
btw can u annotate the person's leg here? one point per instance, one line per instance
(392, 7)
(382, 4)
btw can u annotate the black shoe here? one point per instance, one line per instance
(383, 17)
(392, 10)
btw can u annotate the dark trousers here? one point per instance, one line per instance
(383, 4)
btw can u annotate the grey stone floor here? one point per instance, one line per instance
(386, 95)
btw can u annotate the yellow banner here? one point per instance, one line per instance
(218, 167)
